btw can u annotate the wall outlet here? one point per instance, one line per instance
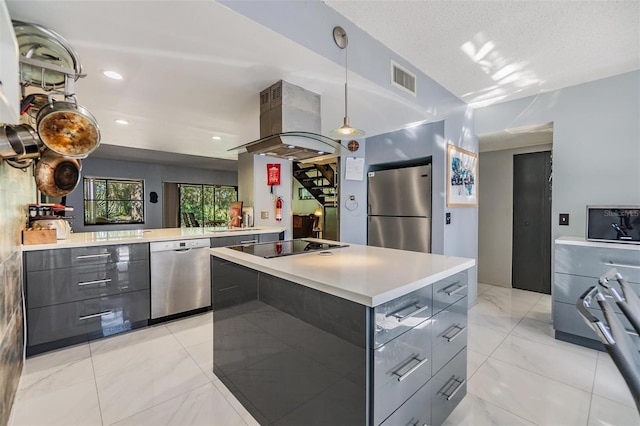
(564, 219)
(264, 214)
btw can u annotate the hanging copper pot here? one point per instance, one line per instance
(68, 128)
(56, 176)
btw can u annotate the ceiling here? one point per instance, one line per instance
(193, 69)
(493, 51)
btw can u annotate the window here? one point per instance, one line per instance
(110, 201)
(205, 205)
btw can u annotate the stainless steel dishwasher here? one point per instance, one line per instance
(180, 276)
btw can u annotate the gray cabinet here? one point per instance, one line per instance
(577, 268)
(236, 240)
(73, 295)
(419, 354)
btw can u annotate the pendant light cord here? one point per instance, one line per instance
(346, 70)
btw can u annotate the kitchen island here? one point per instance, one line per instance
(351, 335)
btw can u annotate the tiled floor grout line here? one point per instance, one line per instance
(95, 383)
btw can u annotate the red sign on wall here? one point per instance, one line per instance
(273, 174)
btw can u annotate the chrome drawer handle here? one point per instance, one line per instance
(107, 280)
(401, 318)
(93, 256)
(420, 363)
(459, 382)
(228, 288)
(623, 265)
(452, 338)
(100, 314)
(248, 241)
(457, 290)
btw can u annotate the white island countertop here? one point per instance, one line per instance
(363, 274)
(102, 238)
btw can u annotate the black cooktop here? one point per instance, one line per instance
(285, 248)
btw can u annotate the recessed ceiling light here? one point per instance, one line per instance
(320, 152)
(262, 153)
(123, 122)
(290, 158)
(216, 138)
(112, 74)
(291, 146)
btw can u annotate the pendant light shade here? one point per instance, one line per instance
(345, 131)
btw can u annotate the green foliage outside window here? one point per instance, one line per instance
(209, 204)
(110, 201)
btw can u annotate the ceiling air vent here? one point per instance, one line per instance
(403, 79)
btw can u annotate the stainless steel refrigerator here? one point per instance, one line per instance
(399, 208)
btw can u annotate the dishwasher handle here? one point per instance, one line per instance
(183, 250)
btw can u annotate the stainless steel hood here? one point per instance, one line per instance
(290, 126)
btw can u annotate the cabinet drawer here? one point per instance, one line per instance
(401, 367)
(234, 240)
(449, 290)
(263, 238)
(597, 261)
(64, 285)
(567, 319)
(416, 411)
(106, 316)
(568, 288)
(449, 333)
(448, 387)
(400, 315)
(79, 256)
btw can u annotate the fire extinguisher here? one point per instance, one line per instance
(279, 209)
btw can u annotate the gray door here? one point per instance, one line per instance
(404, 233)
(531, 265)
(400, 192)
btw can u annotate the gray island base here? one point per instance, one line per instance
(296, 355)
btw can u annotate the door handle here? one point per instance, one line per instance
(453, 337)
(248, 241)
(92, 256)
(420, 363)
(106, 280)
(453, 382)
(402, 318)
(99, 314)
(452, 292)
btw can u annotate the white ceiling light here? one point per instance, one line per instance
(113, 75)
(121, 121)
(341, 40)
(216, 138)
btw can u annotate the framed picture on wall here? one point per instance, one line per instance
(462, 177)
(303, 194)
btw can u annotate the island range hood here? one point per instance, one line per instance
(290, 126)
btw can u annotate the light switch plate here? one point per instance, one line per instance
(447, 219)
(264, 214)
(564, 219)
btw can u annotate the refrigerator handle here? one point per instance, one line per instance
(368, 208)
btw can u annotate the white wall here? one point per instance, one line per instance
(264, 200)
(596, 143)
(495, 214)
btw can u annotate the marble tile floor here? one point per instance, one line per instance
(162, 375)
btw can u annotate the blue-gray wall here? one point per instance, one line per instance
(153, 175)
(596, 143)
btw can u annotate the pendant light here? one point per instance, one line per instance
(346, 131)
